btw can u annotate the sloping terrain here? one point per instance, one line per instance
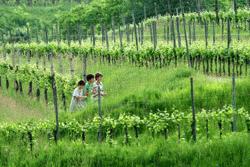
(15, 111)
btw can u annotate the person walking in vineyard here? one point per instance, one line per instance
(77, 100)
(89, 86)
(98, 83)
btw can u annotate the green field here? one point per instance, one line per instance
(136, 91)
(153, 114)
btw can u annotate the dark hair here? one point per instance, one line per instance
(81, 83)
(90, 76)
(97, 75)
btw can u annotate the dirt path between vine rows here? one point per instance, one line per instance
(12, 110)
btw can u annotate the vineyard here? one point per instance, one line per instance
(155, 124)
(214, 59)
(176, 76)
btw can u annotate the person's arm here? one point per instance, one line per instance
(87, 92)
(103, 93)
(77, 97)
(94, 92)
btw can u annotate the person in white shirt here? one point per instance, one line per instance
(77, 100)
(98, 83)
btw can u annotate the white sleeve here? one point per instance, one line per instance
(75, 93)
(94, 87)
(102, 88)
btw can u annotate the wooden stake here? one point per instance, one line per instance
(54, 90)
(193, 111)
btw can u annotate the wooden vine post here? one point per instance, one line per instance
(217, 11)
(150, 27)
(142, 24)
(124, 27)
(206, 43)
(37, 35)
(100, 115)
(214, 33)
(20, 85)
(235, 5)
(84, 57)
(194, 30)
(169, 6)
(198, 3)
(144, 10)
(59, 54)
(12, 40)
(46, 40)
(156, 12)
(28, 60)
(14, 52)
(164, 32)
(103, 34)
(174, 40)
(7, 79)
(71, 56)
(79, 33)
(63, 96)
(113, 29)
(52, 33)
(155, 34)
(37, 55)
(190, 64)
(222, 29)
(178, 30)
(193, 111)
(84, 67)
(120, 37)
(229, 40)
(4, 55)
(190, 32)
(128, 33)
(234, 128)
(93, 35)
(142, 33)
(135, 30)
(107, 42)
(44, 59)
(168, 31)
(68, 35)
(55, 100)
(72, 71)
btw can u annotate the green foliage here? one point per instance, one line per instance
(145, 56)
(18, 20)
(155, 123)
(39, 77)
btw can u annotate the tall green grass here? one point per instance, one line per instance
(233, 150)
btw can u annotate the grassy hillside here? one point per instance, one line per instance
(139, 90)
(16, 108)
(147, 114)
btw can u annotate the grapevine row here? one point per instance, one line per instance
(37, 78)
(211, 59)
(159, 123)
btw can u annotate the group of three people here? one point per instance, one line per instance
(86, 92)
